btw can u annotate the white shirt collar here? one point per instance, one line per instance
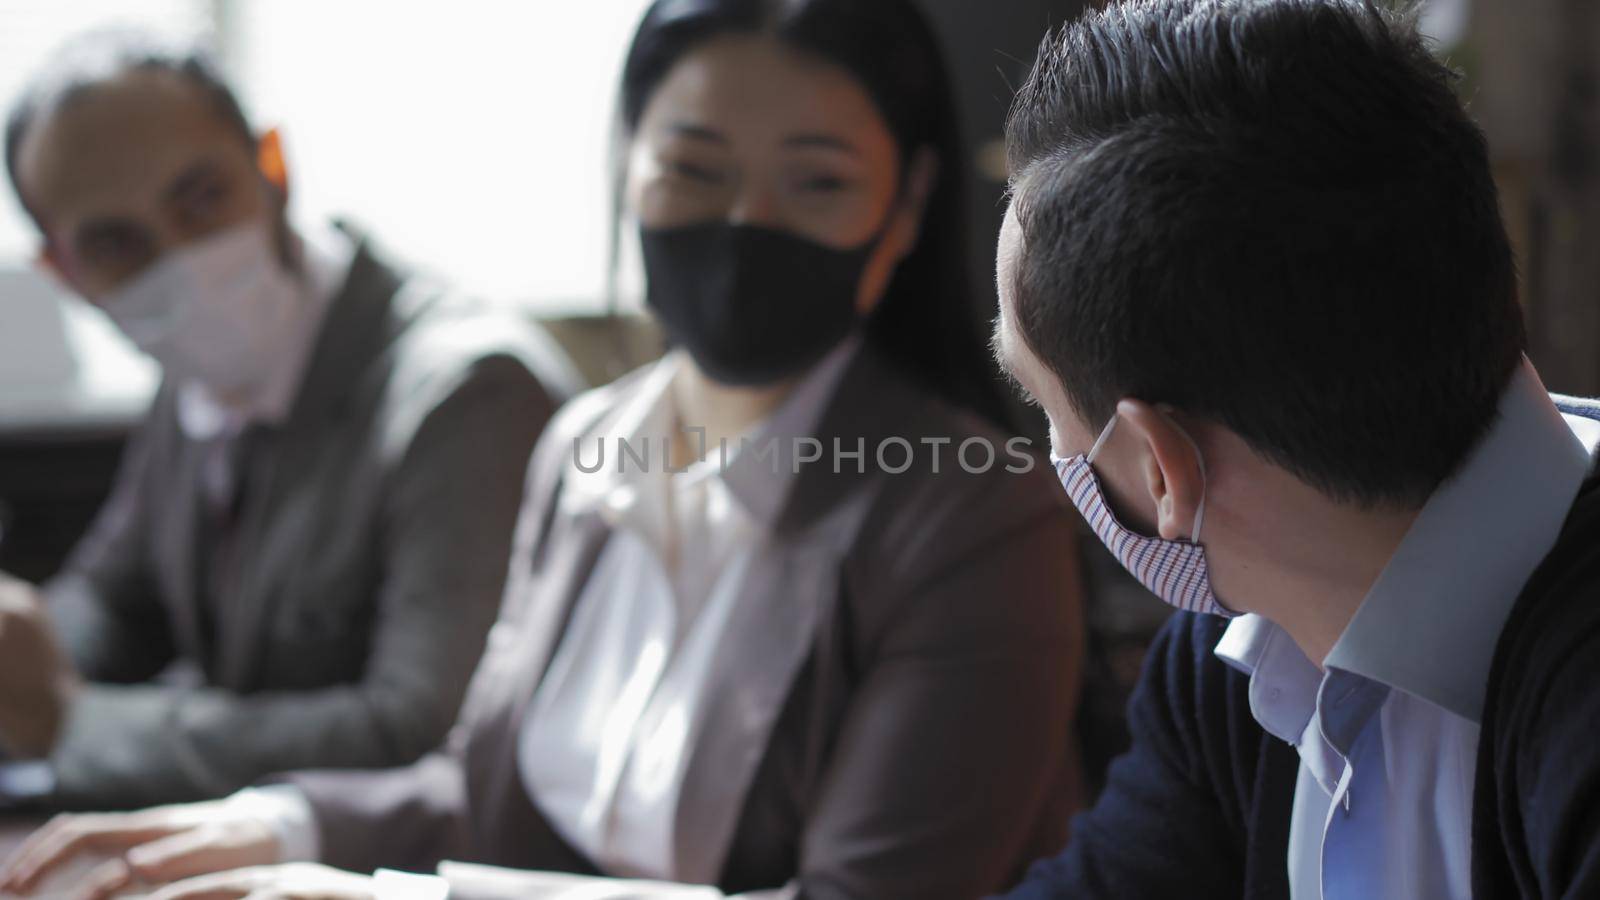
(327, 255)
(1430, 623)
(646, 422)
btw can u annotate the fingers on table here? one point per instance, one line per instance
(66, 837)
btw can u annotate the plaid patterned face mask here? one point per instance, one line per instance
(1175, 571)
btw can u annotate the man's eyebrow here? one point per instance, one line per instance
(1001, 352)
(697, 132)
(823, 141)
(1002, 356)
(996, 342)
(1025, 395)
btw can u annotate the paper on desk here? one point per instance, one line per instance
(511, 884)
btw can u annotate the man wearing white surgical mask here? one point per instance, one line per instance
(307, 541)
(221, 314)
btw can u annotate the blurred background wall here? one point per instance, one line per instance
(1533, 81)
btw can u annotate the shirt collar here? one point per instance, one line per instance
(327, 256)
(759, 480)
(1451, 583)
(1283, 682)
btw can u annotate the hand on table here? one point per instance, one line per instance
(153, 846)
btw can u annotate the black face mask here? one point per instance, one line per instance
(751, 305)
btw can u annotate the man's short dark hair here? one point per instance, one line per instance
(1275, 215)
(99, 56)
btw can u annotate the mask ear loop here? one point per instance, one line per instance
(1200, 510)
(1099, 442)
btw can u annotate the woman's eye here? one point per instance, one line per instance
(823, 184)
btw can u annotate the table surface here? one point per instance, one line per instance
(14, 830)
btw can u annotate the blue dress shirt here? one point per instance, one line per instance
(1387, 729)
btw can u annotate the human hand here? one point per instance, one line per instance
(153, 846)
(37, 681)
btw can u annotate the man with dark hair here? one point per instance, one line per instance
(308, 538)
(1254, 271)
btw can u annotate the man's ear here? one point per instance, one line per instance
(1172, 468)
(270, 160)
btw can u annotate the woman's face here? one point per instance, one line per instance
(748, 131)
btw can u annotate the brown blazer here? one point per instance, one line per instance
(900, 728)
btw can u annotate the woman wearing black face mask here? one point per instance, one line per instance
(828, 646)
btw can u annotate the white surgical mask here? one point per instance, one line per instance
(218, 312)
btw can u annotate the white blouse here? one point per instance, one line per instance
(607, 736)
(606, 739)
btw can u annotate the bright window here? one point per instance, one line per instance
(471, 137)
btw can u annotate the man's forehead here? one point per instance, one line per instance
(1011, 351)
(1006, 252)
(119, 141)
(1010, 229)
(1011, 348)
(1005, 339)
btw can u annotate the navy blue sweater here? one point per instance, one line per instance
(1199, 807)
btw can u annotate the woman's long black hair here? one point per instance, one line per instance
(927, 322)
